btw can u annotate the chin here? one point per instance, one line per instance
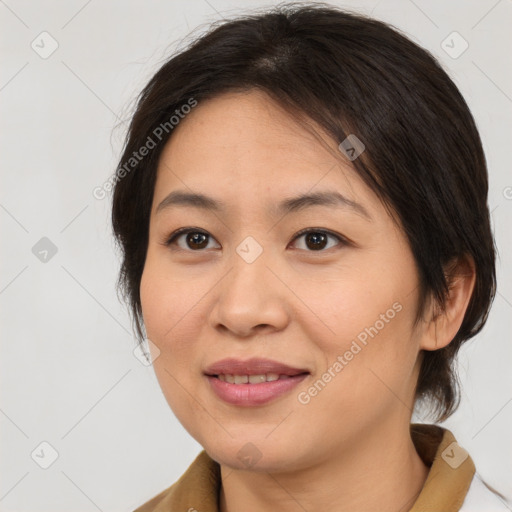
(254, 454)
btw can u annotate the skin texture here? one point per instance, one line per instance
(349, 446)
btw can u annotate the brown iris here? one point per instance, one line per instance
(197, 240)
(318, 240)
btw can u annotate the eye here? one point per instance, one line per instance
(316, 239)
(195, 239)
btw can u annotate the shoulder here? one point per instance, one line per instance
(198, 488)
(481, 498)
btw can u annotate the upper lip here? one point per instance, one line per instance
(254, 366)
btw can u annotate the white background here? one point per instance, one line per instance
(68, 375)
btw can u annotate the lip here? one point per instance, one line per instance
(252, 366)
(249, 395)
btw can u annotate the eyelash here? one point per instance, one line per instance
(182, 231)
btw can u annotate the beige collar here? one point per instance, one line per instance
(448, 481)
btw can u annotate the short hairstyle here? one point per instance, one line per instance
(350, 74)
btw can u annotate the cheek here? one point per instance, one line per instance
(347, 303)
(161, 310)
(365, 318)
(153, 301)
(167, 301)
(171, 323)
(363, 376)
(172, 304)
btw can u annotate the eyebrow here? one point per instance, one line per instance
(292, 204)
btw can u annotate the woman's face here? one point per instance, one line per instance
(336, 304)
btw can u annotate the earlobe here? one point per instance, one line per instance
(444, 323)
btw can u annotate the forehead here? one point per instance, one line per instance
(239, 124)
(243, 145)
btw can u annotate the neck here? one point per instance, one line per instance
(381, 472)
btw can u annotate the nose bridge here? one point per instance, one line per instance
(250, 250)
(248, 282)
(250, 262)
(250, 295)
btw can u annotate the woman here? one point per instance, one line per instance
(302, 210)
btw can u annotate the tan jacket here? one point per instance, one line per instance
(451, 485)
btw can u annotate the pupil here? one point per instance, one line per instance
(197, 239)
(315, 238)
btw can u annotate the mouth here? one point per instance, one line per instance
(252, 367)
(253, 379)
(253, 382)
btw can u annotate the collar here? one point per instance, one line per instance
(448, 481)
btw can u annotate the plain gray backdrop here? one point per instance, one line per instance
(73, 396)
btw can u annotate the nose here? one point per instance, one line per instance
(250, 300)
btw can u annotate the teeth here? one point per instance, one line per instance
(254, 379)
(251, 379)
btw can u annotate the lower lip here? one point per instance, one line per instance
(253, 394)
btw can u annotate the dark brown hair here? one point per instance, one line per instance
(350, 74)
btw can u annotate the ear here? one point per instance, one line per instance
(443, 324)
